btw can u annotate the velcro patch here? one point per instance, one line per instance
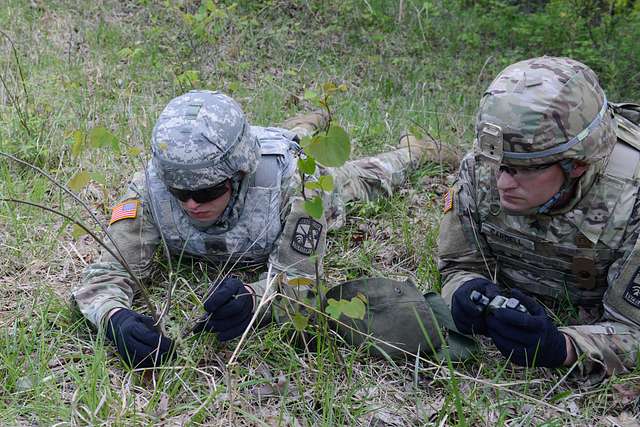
(447, 201)
(306, 236)
(126, 209)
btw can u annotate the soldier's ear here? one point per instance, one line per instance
(579, 168)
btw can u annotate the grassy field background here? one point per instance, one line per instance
(102, 71)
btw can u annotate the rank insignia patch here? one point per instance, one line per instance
(306, 236)
(128, 209)
(447, 201)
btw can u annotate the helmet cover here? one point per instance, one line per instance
(202, 138)
(544, 110)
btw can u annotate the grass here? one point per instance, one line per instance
(115, 65)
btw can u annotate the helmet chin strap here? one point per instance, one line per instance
(567, 167)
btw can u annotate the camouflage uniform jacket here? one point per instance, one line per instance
(106, 284)
(582, 255)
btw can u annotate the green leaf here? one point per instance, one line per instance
(78, 142)
(300, 322)
(334, 308)
(98, 177)
(312, 185)
(329, 88)
(134, 151)
(326, 183)
(355, 308)
(331, 149)
(78, 181)
(314, 207)
(307, 165)
(77, 231)
(100, 137)
(310, 95)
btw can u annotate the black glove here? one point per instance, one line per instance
(529, 339)
(229, 309)
(140, 345)
(468, 316)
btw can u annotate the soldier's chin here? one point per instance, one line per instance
(515, 206)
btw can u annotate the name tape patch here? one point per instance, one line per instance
(126, 209)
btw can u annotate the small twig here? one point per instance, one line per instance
(119, 257)
(145, 294)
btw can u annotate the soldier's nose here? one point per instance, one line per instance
(506, 181)
(190, 204)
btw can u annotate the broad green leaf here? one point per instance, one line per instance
(77, 231)
(310, 95)
(314, 207)
(329, 87)
(100, 137)
(355, 308)
(78, 181)
(300, 322)
(326, 183)
(312, 185)
(98, 177)
(78, 142)
(331, 149)
(307, 165)
(334, 308)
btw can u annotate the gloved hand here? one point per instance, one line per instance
(469, 317)
(140, 345)
(229, 309)
(530, 339)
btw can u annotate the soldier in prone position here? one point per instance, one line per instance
(547, 204)
(223, 191)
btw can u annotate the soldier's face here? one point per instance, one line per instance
(207, 211)
(522, 190)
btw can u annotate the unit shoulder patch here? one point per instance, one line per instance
(306, 236)
(447, 200)
(126, 209)
(632, 293)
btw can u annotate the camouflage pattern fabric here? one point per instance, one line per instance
(202, 138)
(547, 109)
(579, 254)
(106, 285)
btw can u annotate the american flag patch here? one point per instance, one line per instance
(447, 201)
(128, 209)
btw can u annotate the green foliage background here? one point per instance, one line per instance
(94, 76)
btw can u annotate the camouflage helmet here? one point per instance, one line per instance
(202, 138)
(544, 110)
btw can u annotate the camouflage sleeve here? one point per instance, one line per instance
(106, 285)
(612, 346)
(463, 253)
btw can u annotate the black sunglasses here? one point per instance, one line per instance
(203, 195)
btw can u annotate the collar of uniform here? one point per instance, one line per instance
(591, 206)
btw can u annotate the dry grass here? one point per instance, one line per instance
(55, 368)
